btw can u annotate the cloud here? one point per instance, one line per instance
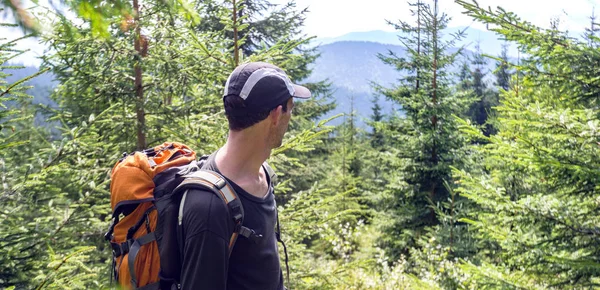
(332, 18)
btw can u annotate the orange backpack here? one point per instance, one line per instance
(147, 193)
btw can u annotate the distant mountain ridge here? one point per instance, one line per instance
(489, 41)
(380, 36)
(351, 67)
(354, 64)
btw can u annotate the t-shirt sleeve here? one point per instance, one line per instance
(207, 228)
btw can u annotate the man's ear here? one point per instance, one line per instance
(275, 115)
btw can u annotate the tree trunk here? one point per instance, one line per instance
(236, 48)
(418, 43)
(139, 89)
(434, 104)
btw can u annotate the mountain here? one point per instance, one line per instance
(350, 66)
(353, 66)
(489, 41)
(379, 36)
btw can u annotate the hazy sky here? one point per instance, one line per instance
(330, 18)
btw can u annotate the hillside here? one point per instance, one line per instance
(350, 66)
(489, 41)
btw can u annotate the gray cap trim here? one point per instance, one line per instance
(257, 75)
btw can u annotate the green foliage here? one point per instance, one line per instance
(99, 14)
(487, 99)
(427, 199)
(538, 191)
(22, 235)
(426, 140)
(67, 271)
(55, 198)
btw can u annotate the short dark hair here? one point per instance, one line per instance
(239, 118)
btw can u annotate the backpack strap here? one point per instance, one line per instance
(216, 183)
(270, 172)
(133, 251)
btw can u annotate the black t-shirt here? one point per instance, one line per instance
(207, 229)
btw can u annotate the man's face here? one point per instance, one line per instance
(283, 124)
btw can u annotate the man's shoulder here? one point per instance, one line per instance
(204, 211)
(202, 200)
(203, 208)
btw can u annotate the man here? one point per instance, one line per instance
(258, 102)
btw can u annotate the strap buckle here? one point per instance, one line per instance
(120, 249)
(220, 183)
(236, 211)
(250, 234)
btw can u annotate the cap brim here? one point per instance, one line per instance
(301, 92)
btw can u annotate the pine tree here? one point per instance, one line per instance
(487, 99)
(32, 211)
(465, 76)
(538, 193)
(479, 62)
(377, 138)
(426, 139)
(264, 25)
(139, 71)
(502, 72)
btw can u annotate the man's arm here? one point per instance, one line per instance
(207, 227)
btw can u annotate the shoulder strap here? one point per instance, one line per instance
(216, 183)
(270, 172)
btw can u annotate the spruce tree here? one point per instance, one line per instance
(33, 212)
(426, 138)
(465, 76)
(502, 72)
(480, 111)
(538, 192)
(377, 138)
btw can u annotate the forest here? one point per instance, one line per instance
(478, 179)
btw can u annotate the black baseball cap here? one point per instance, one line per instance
(262, 86)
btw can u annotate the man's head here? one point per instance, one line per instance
(259, 92)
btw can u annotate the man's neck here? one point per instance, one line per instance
(242, 156)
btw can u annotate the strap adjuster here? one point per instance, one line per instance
(120, 249)
(236, 211)
(220, 183)
(250, 234)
